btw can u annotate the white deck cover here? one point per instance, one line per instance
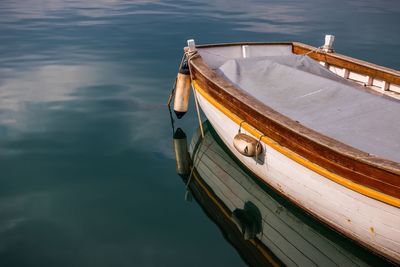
(305, 91)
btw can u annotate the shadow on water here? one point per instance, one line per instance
(265, 228)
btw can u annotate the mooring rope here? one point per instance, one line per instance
(240, 126)
(258, 145)
(313, 51)
(189, 56)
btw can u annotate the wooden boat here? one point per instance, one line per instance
(327, 123)
(265, 229)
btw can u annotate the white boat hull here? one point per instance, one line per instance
(370, 222)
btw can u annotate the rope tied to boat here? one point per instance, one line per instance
(321, 50)
(314, 50)
(189, 56)
(258, 145)
(240, 126)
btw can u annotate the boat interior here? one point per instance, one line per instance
(378, 78)
(352, 101)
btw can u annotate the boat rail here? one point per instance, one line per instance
(375, 77)
(379, 79)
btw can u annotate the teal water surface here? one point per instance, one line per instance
(87, 171)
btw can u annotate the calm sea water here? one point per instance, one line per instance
(87, 172)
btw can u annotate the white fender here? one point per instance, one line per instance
(247, 145)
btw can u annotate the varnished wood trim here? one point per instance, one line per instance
(349, 63)
(359, 167)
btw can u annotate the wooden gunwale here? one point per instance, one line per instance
(349, 63)
(352, 164)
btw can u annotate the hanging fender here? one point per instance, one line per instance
(247, 145)
(182, 89)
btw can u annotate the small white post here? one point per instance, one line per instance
(191, 45)
(328, 46)
(370, 81)
(385, 86)
(245, 51)
(346, 74)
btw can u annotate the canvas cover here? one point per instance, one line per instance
(305, 91)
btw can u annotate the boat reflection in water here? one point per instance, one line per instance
(263, 227)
